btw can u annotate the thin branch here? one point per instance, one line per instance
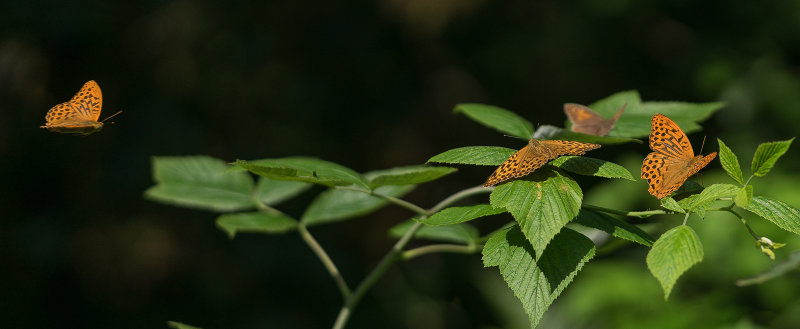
(744, 221)
(435, 248)
(639, 214)
(396, 201)
(325, 259)
(458, 196)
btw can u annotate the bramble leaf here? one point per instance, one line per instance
(613, 226)
(407, 175)
(456, 233)
(592, 167)
(303, 169)
(336, 205)
(777, 212)
(255, 222)
(454, 215)
(474, 155)
(672, 254)
(500, 119)
(537, 281)
(730, 162)
(766, 156)
(744, 196)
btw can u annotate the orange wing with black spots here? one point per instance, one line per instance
(533, 156)
(585, 120)
(672, 160)
(80, 114)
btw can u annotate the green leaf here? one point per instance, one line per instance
(255, 222)
(777, 212)
(272, 192)
(709, 195)
(613, 226)
(200, 182)
(474, 155)
(592, 167)
(670, 204)
(542, 203)
(730, 162)
(766, 156)
(454, 215)
(537, 282)
(672, 254)
(744, 196)
(337, 205)
(457, 233)
(303, 169)
(407, 175)
(500, 119)
(178, 325)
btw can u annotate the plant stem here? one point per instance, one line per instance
(325, 259)
(744, 221)
(434, 248)
(640, 214)
(396, 201)
(460, 195)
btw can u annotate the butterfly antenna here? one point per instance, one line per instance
(702, 144)
(111, 116)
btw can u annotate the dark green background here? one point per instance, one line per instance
(369, 85)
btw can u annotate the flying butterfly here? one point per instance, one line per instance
(672, 160)
(585, 120)
(534, 155)
(78, 115)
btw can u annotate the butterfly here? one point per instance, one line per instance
(586, 121)
(672, 160)
(534, 155)
(79, 115)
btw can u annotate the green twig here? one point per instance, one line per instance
(639, 214)
(396, 201)
(746, 225)
(325, 259)
(435, 248)
(458, 196)
(778, 270)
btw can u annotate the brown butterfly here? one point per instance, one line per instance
(79, 115)
(672, 160)
(534, 155)
(586, 121)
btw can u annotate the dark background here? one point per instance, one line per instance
(369, 85)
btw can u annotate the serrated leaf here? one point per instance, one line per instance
(766, 156)
(200, 182)
(303, 169)
(272, 192)
(454, 215)
(670, 204)
(457, 233)
(500, 119)
(255, 222)
(592, 167)
(178, 325)
(407, 175)
(672, 254)
(537, 281)
(777, 212)
(709, 195)
(474, 155)
(730, 162)
(542, 203)
(613, 226)
(336, 205)
(744, 196)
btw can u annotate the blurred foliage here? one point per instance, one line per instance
(369, 85)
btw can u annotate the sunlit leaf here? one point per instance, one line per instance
(474, 155)
(672, 254)
(766, 156)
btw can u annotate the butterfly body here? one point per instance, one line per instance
(586, 121)
(672, 160)
(533, 156)
(80, 114)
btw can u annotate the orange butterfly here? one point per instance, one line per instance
(79, 115)
(586, 121)
(534, 155)
(672, 160)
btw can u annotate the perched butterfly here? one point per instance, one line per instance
(672, 160)
(534, 155)
(79, 115)
(586, 121)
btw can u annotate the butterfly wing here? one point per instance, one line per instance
(585, 120)
(664, 174)
(557, 148)
(667, 138)
(88, 102)
(520, 164)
